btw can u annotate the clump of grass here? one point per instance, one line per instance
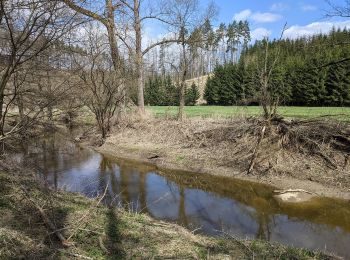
(180, 158)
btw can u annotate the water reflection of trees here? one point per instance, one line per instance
(51, 155)
(178, 195)
(263, 215)
(120, 178)
(106, 180)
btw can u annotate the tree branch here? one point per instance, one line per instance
(84, 11)
(159, 43)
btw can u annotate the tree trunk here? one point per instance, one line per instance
(183, 84)
(182, 102)
(117, 64)
(139, 58)
(1, 114)
(20, 107)
(111, 35)
(4, 79)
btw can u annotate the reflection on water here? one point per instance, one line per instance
(205, 203)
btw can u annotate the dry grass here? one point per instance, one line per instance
(306, 150)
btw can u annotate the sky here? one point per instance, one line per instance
(268, 17)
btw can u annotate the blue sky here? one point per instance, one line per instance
(267, 17)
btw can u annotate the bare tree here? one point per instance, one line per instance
(107, 19)
(101, 89)
(28, 28)
(339, 10)
(186, 16)
(135, 47)
(267, 66)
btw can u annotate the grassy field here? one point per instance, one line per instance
(340, 113)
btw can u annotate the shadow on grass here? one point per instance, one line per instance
(114, 236)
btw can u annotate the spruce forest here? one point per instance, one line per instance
(306, 74)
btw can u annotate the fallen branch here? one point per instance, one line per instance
(293, 190)
(76, 255)
(102, 246)
(47, 221)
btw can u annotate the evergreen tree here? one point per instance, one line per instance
(192, 95)
(161, 92)
(300, 77)
(337, 85)
(171, 93)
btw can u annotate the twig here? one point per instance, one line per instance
(236, 240)
(76, 255)
(102, 246)
(47, 221)
(80, 221)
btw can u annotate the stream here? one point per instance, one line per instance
(207, 204)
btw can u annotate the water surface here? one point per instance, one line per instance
(208, 204)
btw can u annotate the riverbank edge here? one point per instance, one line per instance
(104, 233)
(282, 182)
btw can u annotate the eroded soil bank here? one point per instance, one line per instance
(226, 147)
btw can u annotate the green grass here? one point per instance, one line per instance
(340, 113)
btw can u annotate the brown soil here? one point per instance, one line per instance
(225, 147)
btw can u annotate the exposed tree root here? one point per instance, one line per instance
(256, 148)
(316, 137)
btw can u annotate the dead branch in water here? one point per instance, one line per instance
(293, 191)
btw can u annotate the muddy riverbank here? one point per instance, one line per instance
(224, 148)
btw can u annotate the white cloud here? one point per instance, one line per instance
(297, 31)
(307, 8)
(279, 7)
(243, 15)
(257, 17)
(265, 17)
(260, 33)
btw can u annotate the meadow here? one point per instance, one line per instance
(339, 113)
